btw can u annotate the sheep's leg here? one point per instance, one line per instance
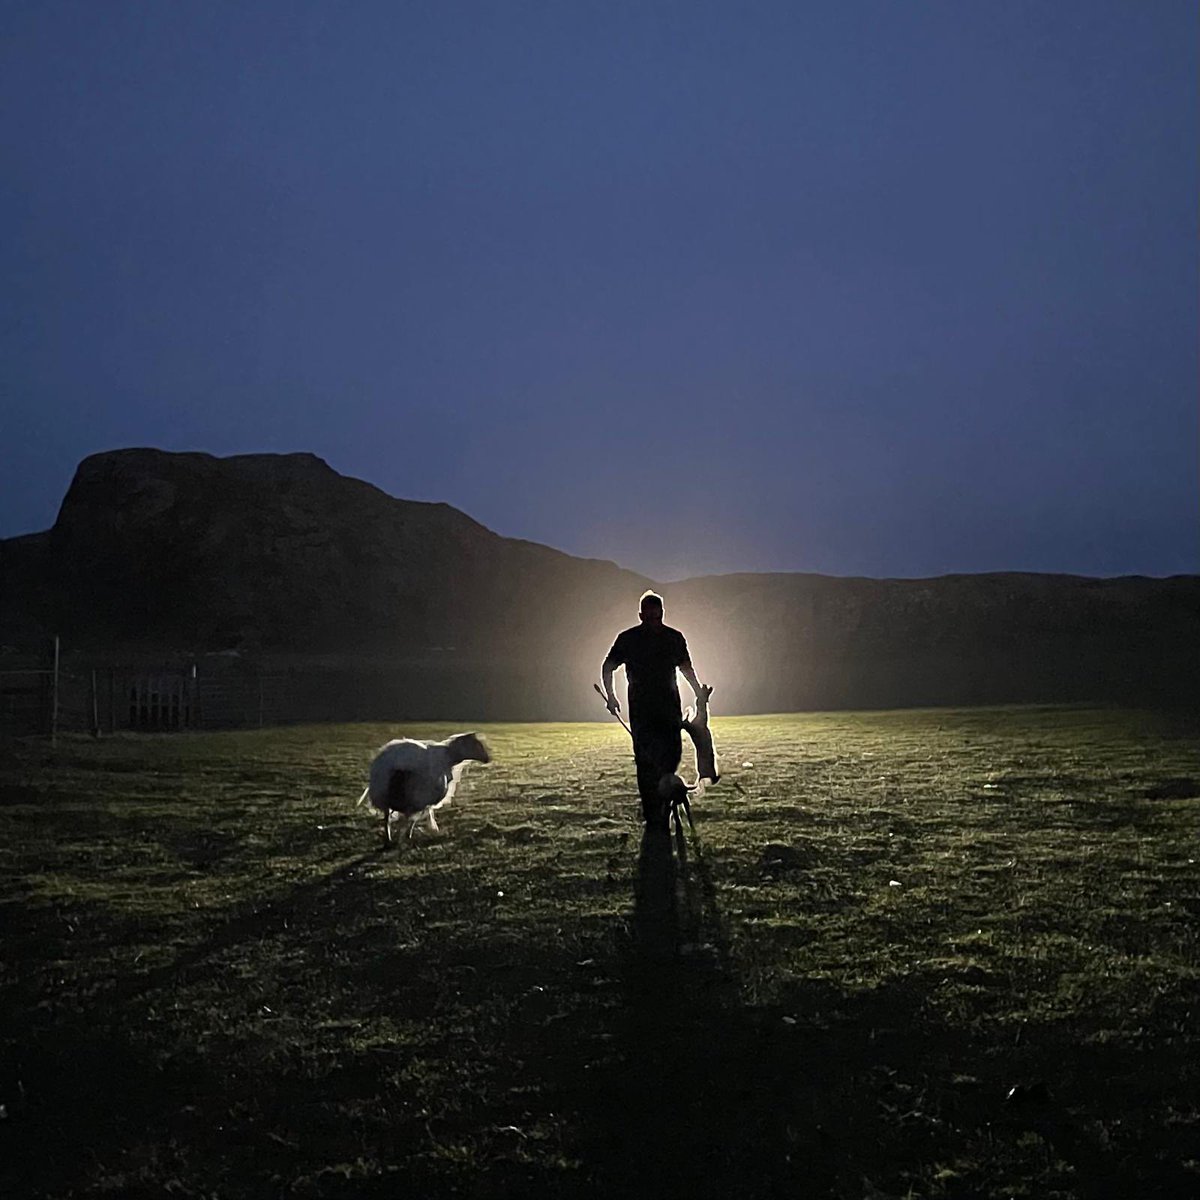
(433, 825)
(412, 825)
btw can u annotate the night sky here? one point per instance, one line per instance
(851, 286)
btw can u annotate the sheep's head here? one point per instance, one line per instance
(466, 746)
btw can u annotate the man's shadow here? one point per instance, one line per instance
(656, 912)
(662, 1100)
(675, 913)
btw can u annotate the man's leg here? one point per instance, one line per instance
(672, 748)
(644, 760)
(657, 749)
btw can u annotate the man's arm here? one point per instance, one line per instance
(606, 674)
(684, 664)
(688, 672)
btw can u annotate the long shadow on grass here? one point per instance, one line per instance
(559, 1079)
(837, 1092)
(690, 1105)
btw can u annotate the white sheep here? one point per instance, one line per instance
(414, 778)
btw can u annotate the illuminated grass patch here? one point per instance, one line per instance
(948, 953)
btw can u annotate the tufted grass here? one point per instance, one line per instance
(940, 953)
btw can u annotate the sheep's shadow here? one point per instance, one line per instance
(256, 920)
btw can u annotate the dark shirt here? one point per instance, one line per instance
(650, 654)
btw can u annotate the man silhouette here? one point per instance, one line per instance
(650, 652)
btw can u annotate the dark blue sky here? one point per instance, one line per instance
(851, 286)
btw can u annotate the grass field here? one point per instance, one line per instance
(947, 953)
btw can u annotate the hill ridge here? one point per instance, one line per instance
(280, 553)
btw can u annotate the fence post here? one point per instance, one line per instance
(54, 699)
(95, 707)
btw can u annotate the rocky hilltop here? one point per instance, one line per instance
(280, 552)
(279, 555)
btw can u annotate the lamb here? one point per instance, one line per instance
(414, 778)
(672, 788)
(696, 724)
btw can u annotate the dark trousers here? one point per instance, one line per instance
(657, 749)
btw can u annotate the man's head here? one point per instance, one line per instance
(650, 608)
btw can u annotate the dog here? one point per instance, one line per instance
(675, 794)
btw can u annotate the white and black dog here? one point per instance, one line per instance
(412, 778)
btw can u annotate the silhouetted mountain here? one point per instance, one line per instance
(279, 554)
(279, 551)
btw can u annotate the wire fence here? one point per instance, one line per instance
(91, 692)
(54, 688)
(109, 699)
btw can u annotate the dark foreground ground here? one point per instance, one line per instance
(906, 954)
